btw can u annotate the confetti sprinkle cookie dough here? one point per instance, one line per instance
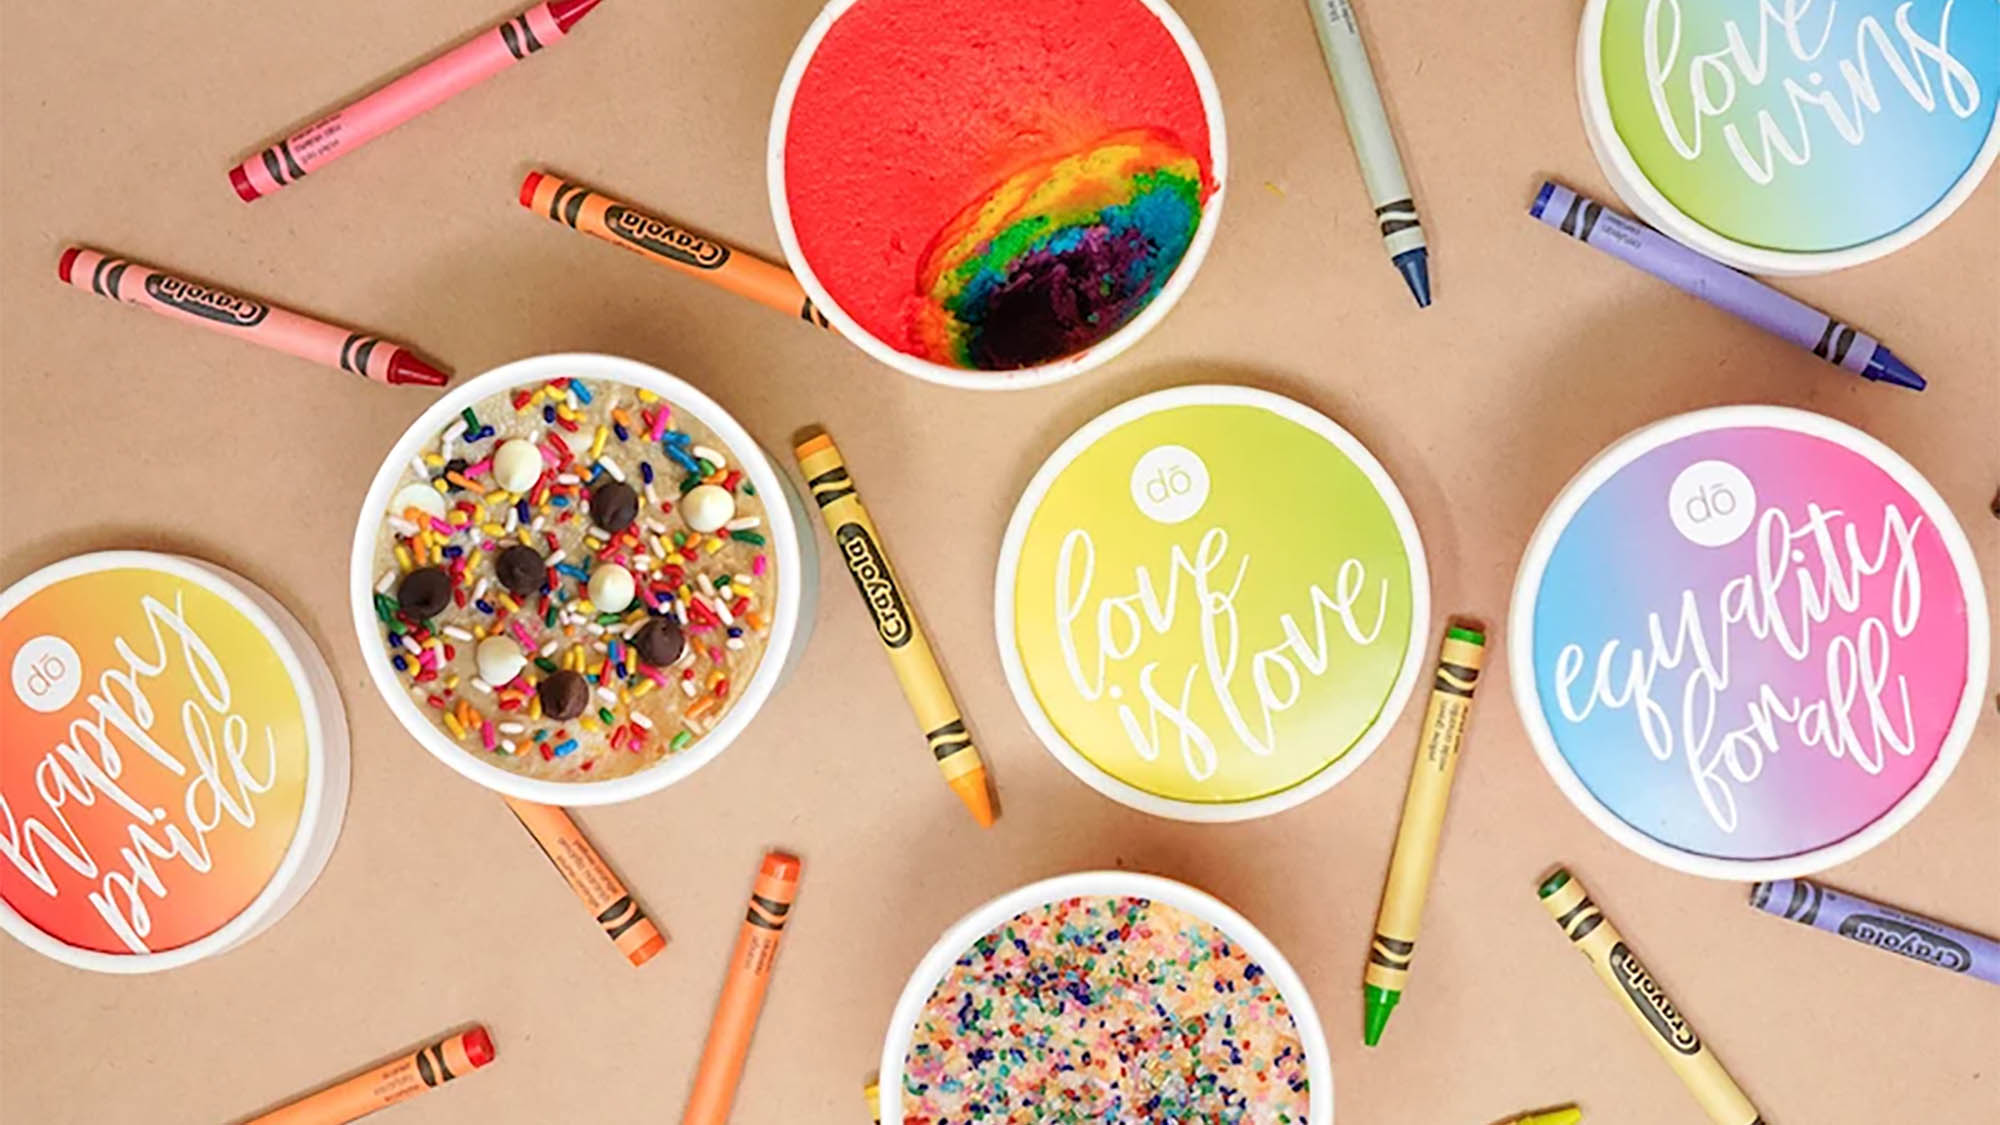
(1104, 1009)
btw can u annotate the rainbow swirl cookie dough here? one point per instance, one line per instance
(1102, 1009)
(573, 580)
(1059, 255)
(996, 186)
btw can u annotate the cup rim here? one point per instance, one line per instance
(1521, 655)
(1102, 780)
(960, 935)
(784, 545)
(322, 809)
(1069, 366)
(1652, 205)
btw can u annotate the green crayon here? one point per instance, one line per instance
(1459, 660)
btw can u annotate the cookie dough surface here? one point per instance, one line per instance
(512, 526)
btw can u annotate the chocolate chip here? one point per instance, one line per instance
(659, 642)
(564, 695)
(424, 593)
(455, 465)
(614, 505)
(521, 570)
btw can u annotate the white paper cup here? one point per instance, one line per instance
(1115, 884)
(247, 661)
(1057, 370)
(1702, 746)
(792, 551)
(1342, 508)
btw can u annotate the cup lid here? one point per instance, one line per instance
(1792, 139)
(1212, 602)
(174, 763)
(1749, 642)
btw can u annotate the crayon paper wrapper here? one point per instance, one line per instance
(1750, 643)
(154, 764)
(1213, 603)
(1802, 125)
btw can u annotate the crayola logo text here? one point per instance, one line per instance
(1910, 941)
(871, 576)
(1652, 1003)
(204, 302)
(663, 238)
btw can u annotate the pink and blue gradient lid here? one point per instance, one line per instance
(1749, 642)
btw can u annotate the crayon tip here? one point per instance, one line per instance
(782, 867)
(528, 187)
(1884, 367)
(478, 1047)
(1381, 1002)
(1542, 198)
(1557, 880)
(68, 262)
(406, 370)
(971, 788)
(567, 12)
(811, 446)
(1416, 268)
(240, 180)
(647, 951)
(1568, 1115)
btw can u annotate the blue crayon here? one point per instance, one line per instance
(1636, 244)
(1871, 923)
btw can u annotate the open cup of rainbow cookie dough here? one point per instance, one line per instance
(1106, 996)
(993, 195)
(576, 579)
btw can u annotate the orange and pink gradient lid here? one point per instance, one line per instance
(173, 769)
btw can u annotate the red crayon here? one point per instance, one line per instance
(413, 94)
(219, 310)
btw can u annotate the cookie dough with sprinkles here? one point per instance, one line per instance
(1103, 1009)
(574, 580)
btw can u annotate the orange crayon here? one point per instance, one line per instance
(624, 922)
(218, 310)
(667, 243)
(743, 992)
(394, 1081)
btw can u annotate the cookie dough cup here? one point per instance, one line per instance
(576, 578)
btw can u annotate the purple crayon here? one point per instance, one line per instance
(1636, 244)
(1884, 927)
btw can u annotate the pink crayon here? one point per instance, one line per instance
(222, 311)
(415, 93)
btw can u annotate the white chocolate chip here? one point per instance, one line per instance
(707, 508)
(611, 588)
(499, 660)
(517, 465)
(422, 497)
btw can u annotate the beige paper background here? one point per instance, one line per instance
(119, 429)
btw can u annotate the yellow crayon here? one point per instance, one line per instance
(874, 1095)
(860, 549)
(1568, 1115)
(1459, 660)
(1656, 1016)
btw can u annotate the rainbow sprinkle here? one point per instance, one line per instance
(1059, 255)
(1105, 1010)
